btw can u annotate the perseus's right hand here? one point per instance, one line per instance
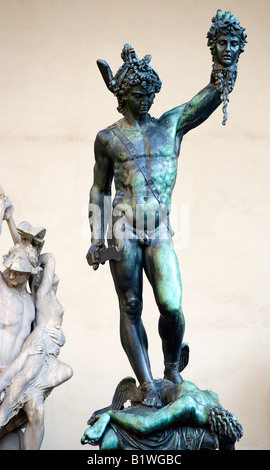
(92, 254)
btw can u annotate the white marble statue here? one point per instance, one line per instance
(30, 335)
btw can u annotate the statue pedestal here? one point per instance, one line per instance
(190, 419)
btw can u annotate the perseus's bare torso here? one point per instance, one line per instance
(157, 149)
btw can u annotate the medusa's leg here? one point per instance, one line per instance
(186, 411)
(95, 432)
(109, 440)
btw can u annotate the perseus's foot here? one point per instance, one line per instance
(171, 372)
(151, 395)
(93, 434)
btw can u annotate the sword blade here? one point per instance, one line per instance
(111, 253)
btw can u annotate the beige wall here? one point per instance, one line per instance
(53, 102)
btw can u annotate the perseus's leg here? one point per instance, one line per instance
(127, 276)
(162, 269)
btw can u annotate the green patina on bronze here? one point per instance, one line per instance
(190, 419)
(140, 154)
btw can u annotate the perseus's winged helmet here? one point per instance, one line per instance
(132, 67)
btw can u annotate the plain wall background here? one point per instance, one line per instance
(53, 103)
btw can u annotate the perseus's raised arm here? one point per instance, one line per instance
(198, 109)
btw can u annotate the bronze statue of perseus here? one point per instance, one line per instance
(141, 154)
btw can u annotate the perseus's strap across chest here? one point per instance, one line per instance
(140, 163)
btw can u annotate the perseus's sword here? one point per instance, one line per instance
(104, 254)
(110, 253)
